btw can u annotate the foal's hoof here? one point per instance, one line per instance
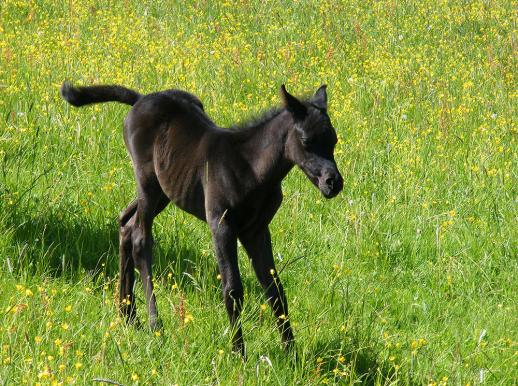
(137, 324)
(289, 345)
(156, 325)
(133, 320)
(239, 350)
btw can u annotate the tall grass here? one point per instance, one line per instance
(407, 277)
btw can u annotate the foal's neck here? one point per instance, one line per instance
(265, 149)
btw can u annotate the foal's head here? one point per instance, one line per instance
(311, 141)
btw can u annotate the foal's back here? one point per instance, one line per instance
(155, 112)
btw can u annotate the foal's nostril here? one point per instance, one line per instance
(329, 181)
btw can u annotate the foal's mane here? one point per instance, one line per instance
(257, 120)
(263, 117)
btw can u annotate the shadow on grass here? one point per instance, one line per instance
(64, 243)
(341, 360)
(352, 359)
(335, 361)
(61, 243)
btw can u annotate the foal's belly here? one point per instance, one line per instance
(178, 171)
(184, 190)
(193, 202)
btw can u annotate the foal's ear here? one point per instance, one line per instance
(320, 97)
(293, 105)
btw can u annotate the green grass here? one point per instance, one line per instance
(407, 277)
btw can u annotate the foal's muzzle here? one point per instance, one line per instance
(330, 183)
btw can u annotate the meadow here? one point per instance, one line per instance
(408, 277)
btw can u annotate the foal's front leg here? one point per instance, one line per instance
(225, 244)
(258, 245)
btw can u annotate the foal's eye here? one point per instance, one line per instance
(306, 142)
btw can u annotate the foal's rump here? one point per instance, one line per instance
(167, 135)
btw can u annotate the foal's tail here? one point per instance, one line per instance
(80, 96)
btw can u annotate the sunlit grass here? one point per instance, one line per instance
(407, 277)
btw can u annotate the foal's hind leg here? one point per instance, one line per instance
(126, 265)
(151, 201)
(135, 250)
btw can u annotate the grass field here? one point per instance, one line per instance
(409, 276)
